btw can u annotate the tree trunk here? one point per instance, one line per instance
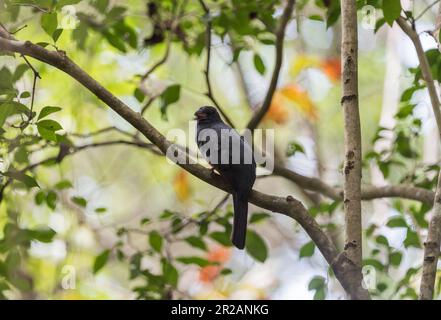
(352, 167)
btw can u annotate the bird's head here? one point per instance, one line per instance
(207, 114)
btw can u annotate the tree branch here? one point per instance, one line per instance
(433, 242)
(280, 37)
(425, 69)
(209, 93)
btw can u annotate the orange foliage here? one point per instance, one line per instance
(181, 185)
(277, 111)
(219, 255)
(301, 98)
(207, 274)
(332, 68)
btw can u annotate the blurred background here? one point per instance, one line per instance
(117, 221)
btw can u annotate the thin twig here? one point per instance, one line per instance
(280, 37)
(209, 93)
(19, 29)
(32, 6)
(148, 103)
(101, 131)
(426, 9)
(160, 62)
(202, 218)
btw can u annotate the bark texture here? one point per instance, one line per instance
(352, 167)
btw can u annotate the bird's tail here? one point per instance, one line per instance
(238, 237)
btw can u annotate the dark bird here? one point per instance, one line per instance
(229, 154)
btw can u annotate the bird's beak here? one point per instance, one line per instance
(199, 115)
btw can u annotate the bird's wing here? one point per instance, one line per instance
(232, 147)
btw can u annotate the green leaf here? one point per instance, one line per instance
(155, 241)
(382, 240)
(47, 129)
(196, 242)
(115, 13)
(408, 93)
(256, 247)
(374, 263)
(100, 261)
(169, 96)
(320, 294)
(49, 22)
(100, 5)
(259, 64)
(397, 222)
(43, 235)
(25, 94)
(47, 111)
(193, 260)
(316, 17)
(21, 155)
(332, 14)
(170, 273)
(6, 78)
(391, 10)
(49, 125)
(115, 41)
(380, 22)
(100, 210)
(381, 287)
(28, 181)
(316, 283)
(10, 108)
(139, 95)
(42, 44)
(221, 237)
(51, 199)
(395, 258)
(56, 34)
(307, 250)
(294, 147)
(412, 239)
(63, 184)
(40, 197)
(80, 201)
(259, 216)
(124, 31)
(19, 72)
(62, 3)
(403, 146)
(405, 111)
(226, 271)
(166, 214)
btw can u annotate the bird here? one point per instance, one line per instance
(231, 155)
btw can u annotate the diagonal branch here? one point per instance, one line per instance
(280, 37)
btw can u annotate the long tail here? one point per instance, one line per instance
(240, 220)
